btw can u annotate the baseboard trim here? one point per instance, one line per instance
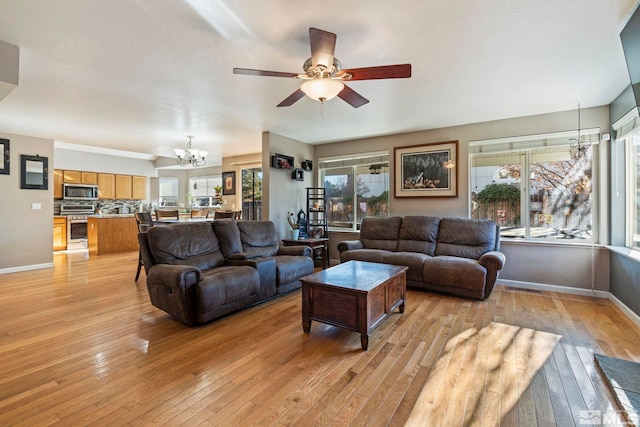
(552, 288)
(626, 310)
(25, 268)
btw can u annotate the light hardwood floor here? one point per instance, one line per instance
(80, 344)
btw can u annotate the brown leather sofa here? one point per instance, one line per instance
(201, 271)
(456, 256)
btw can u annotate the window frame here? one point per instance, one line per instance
(355, 161)
(525, 146)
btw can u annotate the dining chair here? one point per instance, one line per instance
(238, 215)
(218, 214)
(144, 221)
(167, 214)
(200, 213)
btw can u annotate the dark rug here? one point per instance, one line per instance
(623, 377)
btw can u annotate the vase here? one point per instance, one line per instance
(295, 234)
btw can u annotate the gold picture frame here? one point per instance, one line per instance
(426, 170)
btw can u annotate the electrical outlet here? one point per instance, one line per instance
(36, 206)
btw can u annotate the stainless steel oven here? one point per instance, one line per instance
(77, 219)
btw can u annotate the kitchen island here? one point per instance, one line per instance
(110, 233)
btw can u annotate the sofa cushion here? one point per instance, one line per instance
(192, 244)
(290, 268)
(413, 260)
(467, 238)
(371, 255)
(380, 232)
(224, 285)
(228, 235)
(456, 272)
(419, 234)
(259, 237)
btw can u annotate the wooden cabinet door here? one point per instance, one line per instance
(90, 178)
(106, 185)
(58, 178)
(59, 234)
(123, 186)
(73, 177)
(139, 187)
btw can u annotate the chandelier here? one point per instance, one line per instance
(191, 156)
(580, 146)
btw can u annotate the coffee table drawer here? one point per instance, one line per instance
(334, 307)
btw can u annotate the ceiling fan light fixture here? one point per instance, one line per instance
(322, 89)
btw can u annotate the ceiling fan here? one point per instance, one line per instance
(323, 74)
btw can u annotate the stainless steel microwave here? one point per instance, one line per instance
(80, 192)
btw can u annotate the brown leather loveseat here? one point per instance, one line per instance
(457, 256)
(201, 271)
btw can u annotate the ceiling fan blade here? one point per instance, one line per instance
(352, 97)
(265, 73)
(400, 71)
(291, 99)
(323, 46)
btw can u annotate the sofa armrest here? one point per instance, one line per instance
(295, 250)
(171, 288)
(266, 267)
(346, 245)
(493, 260)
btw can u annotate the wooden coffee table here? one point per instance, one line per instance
(355, 295)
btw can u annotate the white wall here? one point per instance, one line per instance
(544, 263)
(26, 235)
(284, 194)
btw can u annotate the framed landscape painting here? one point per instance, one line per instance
(428, 170)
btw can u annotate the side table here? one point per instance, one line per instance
(314, 243)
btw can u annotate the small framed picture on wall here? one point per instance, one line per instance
(228, 183)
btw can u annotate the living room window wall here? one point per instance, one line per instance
(536, 187)
(356, 187)
(627, 133)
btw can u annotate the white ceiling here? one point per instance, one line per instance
(140, 75)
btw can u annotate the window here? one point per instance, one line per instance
(535, 187)
(356, 187)
(633, 189)
(252, 194)
(205, 190)
(168, 191)
(627, 134)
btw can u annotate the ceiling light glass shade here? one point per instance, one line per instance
(190, 156)
(322, 89)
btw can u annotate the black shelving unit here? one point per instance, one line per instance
(316, 212)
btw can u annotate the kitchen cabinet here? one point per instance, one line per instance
(58, 180)
(59, 233)
(90, 178)
(106, 186)
(112, 234)
(123, 186)
(139, 187)
(73, 177)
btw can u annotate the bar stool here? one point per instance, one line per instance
(144, 221)
(218, 214)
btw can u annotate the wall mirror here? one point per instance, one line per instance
(34, 172)
(4, 157)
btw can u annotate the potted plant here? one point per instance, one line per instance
(295, 227)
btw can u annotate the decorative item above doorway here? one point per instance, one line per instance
(428, 170)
